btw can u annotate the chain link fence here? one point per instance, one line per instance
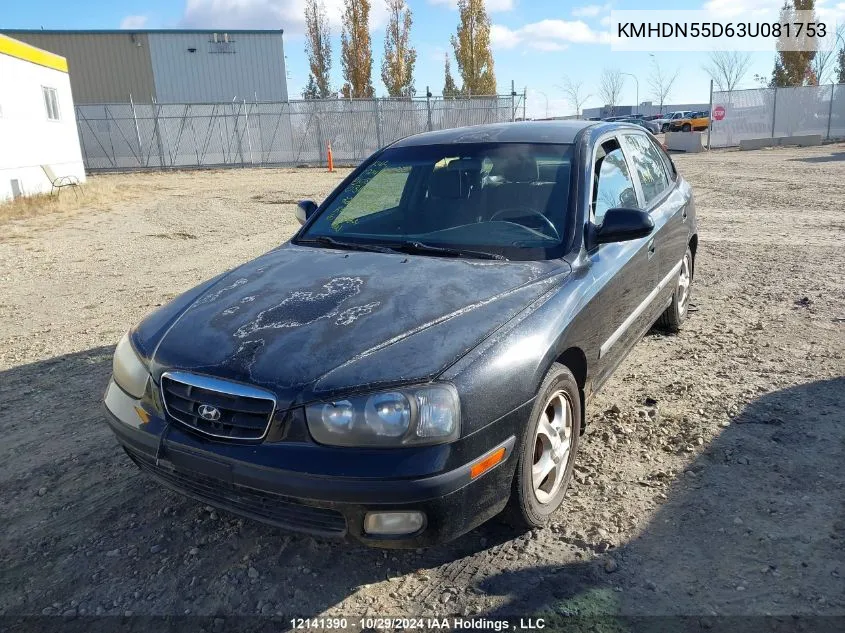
(777, 112)
(126, 136)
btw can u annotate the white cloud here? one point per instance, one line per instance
(547, 35)
(726, 8)
(133, 22)
(268, 14)
(590, 10)
(493, 6)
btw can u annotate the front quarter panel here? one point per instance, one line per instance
(505, 371)
(149, 332)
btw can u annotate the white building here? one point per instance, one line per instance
(37, 121)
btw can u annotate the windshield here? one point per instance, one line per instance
(508, 200)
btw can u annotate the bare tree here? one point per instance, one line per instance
(727, 68)
(661, 82)
(824, 62)
(573, 93)
(610, 87)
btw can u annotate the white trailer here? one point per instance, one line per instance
(38, 131)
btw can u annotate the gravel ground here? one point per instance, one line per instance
(711, 481)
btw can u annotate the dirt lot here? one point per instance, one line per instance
(711, 483)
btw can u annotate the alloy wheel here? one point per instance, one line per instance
(552, 447)
(684, 280)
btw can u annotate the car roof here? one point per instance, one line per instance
(519, 132)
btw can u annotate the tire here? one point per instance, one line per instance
(676, 313)
(686, 127)
(558, 398)
(665, 128)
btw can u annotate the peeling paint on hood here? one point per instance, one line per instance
(302, 321)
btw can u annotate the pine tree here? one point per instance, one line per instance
(450, 88)
(840, 66)
(318, 47)
(356, 56)
(397, 67)
(472, 49)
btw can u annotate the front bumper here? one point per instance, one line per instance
(327, 506)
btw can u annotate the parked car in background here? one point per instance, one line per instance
(651, 126)
(419, 356)
(665, 121)
(696, 121)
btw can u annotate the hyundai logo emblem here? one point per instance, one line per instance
(207, 412)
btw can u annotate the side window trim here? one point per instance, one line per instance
(632, 170)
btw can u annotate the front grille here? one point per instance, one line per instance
(256, 504)
(234, 411)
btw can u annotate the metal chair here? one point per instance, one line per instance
(58, 182)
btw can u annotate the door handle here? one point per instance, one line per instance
(684, 214)
(651, 248)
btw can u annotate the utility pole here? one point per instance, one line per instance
(546, 97)
(638, 89)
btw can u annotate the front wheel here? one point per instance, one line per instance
(549, 445)
(676, 313)
(665, 128)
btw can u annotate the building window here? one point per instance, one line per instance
(221, 43)
(51, 102)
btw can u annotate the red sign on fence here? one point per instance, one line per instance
(719, 112)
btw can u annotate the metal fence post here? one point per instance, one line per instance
(428, 106)
(158, 135)
(710, 116)
(774, 110)
(378, 124)
(137, 131)
(248, 135)
(830, 110)
(320, 139)
(513, 100)
(524, 99)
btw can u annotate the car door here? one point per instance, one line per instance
(666, 204)
(625, 271)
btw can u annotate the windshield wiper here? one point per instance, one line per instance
(353, 246)
(421, 248)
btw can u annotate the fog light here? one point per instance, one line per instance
(393, 523)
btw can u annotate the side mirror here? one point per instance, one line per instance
(621, 225)
(304, 209)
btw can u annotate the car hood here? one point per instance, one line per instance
(307, 322)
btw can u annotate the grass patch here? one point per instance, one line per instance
(99, 192)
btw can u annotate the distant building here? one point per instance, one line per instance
(37, 122)
(168, 66)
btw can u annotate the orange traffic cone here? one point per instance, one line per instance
(331, 158)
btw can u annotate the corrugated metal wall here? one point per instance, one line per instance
(104, 67)
(190, 67)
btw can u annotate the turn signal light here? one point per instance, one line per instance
(486, 463)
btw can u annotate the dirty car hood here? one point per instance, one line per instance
(310, 321)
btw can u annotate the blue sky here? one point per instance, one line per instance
(535, 43)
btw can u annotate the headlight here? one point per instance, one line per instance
(400, 417)
(129, 372)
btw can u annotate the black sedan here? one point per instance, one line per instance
(418, 358)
